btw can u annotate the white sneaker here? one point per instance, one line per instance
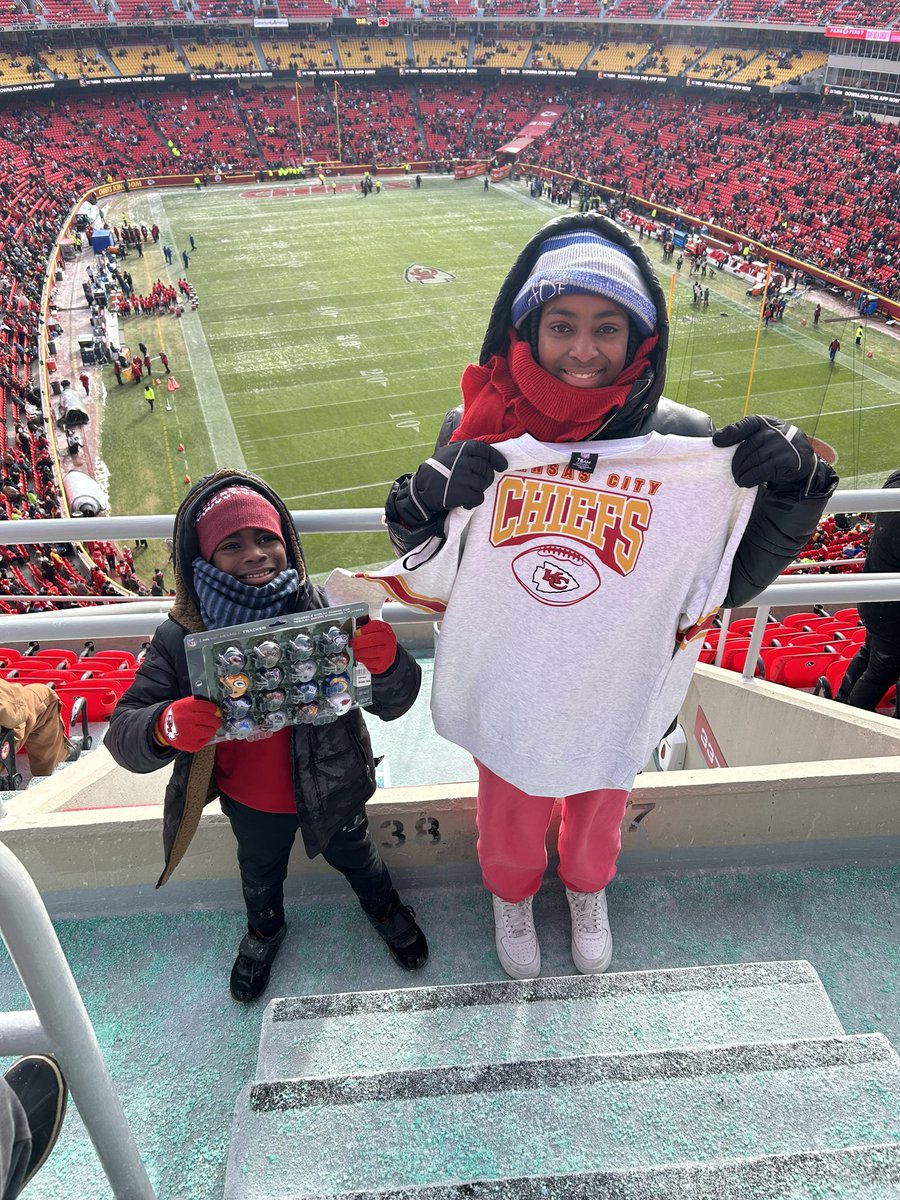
(592, 945)
(517, 943)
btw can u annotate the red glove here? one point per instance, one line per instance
(188, 724)
(375, 646)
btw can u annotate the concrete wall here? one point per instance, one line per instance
(753, 722)
(108, 860)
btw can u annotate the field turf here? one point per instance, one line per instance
(315, 362)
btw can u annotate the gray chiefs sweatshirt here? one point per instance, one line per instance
(574, 601)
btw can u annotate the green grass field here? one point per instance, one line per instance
(316, 362)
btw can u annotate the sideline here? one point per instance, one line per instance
(223, 438)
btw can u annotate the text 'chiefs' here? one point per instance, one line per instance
(612, 525)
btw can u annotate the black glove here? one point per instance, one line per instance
(456, 476)
(771, 452)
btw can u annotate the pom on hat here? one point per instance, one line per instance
(233, 508)
(581, 261)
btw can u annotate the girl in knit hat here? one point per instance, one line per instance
(569, 595)
(238, 558)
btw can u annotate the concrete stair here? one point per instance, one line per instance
(702, 1082)
(367, 1032)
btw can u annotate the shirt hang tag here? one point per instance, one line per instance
(585, 463)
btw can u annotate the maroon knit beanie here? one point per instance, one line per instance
(233, 508)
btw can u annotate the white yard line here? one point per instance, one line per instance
(361, 487)
(220, 429)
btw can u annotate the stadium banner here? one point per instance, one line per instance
(536, 71)
(119, 79)
(195, 75)
(857, 94)
(721, 86)
(26, 87)
(437, 71)
(499, 173)
(468, 172)
(334, 72)
(632, 78)
(270, 22)
(859, 33)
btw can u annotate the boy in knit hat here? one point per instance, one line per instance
(237, 558)
(616, 523)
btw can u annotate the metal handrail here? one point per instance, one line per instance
(321, 520)
(88, 622)
(59, 1024)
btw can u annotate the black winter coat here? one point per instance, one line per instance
(333, 767)
(883, 620)
(780, 524)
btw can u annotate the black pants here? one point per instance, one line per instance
(874, 670)
(264, 842)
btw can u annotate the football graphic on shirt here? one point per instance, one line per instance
(556, 574)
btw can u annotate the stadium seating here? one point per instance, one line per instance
(560, 55)
(302, 54)
(379, 127)
(371, 52)
(19, 68)
(774, 67)
(618, 56)
(672, 59)
(221, 56)
(720, 63)
(74, 64)
(440, 52)
(508, 52)
(145, 58)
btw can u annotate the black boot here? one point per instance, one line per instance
(405, 940)
(253, 965)
(41, 1090)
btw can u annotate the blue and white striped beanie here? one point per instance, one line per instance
(582, 262)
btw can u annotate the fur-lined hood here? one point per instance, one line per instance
(186, 545)
(645, 392)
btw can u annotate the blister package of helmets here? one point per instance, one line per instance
(293, 670)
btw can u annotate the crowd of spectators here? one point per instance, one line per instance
(841, 541)
(809, 179)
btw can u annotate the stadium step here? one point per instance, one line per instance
(492, 1023)
(554, 1127)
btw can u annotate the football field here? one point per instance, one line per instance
(332, 332)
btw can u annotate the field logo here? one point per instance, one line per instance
(419, 274)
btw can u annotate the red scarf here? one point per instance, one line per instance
(511, 395)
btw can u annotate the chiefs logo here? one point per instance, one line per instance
(556, 574)
(419, 274)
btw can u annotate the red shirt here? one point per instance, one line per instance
(258, 774)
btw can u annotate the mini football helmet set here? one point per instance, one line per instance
(293, 670)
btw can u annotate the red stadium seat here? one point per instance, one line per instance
(805, 640)
(855, 637)
(800, 671)
(121, 657)
(69, 657)
(100, 700)
(39, 674)
(850, 615)
(801, 620)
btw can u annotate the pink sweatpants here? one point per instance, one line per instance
(512, 837)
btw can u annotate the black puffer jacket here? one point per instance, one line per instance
(334, 772)
(779, 525)
(883, 620)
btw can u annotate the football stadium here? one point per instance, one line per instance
(316, 319)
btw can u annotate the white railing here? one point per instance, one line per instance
(144, 615)
(58, 1024)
